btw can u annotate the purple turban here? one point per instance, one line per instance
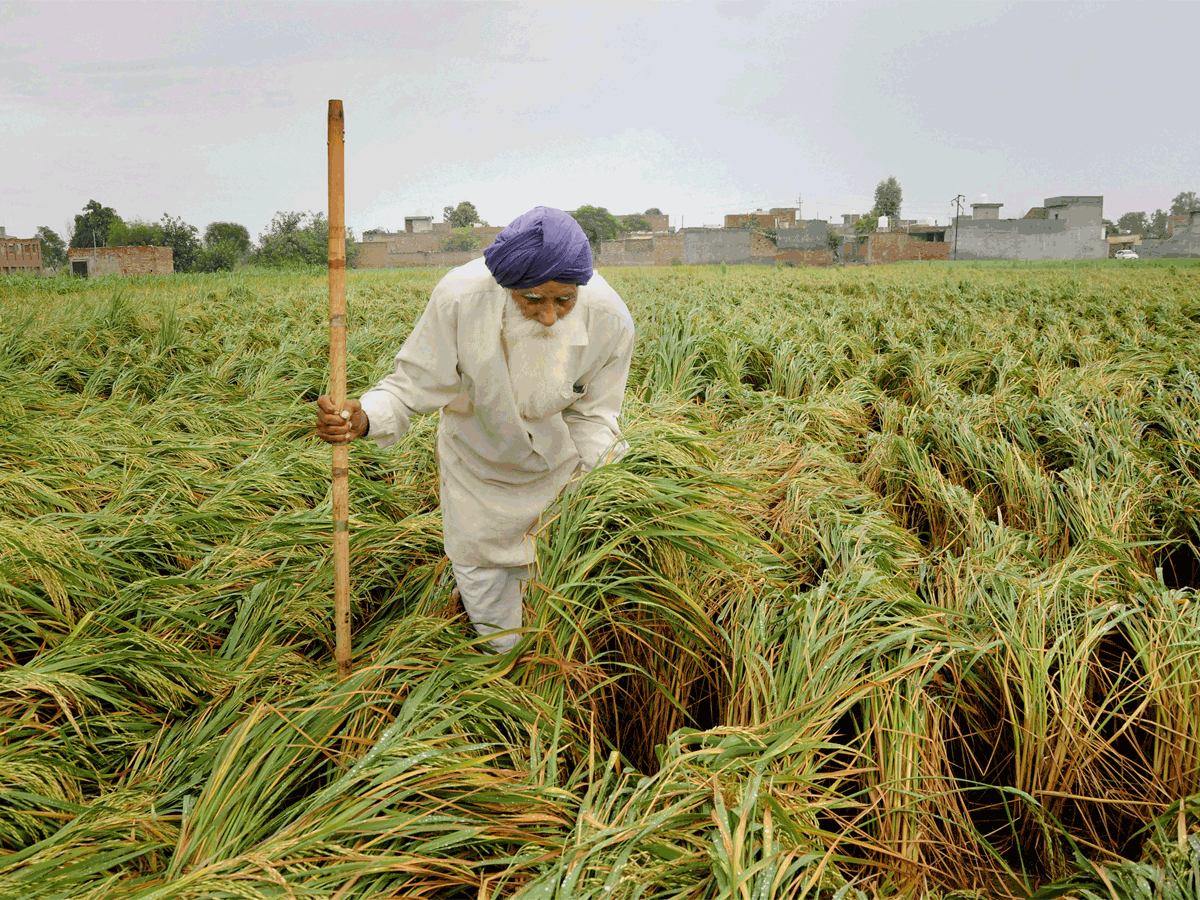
(544, 244)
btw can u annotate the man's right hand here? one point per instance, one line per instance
(338, 426)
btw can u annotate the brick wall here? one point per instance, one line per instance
(807, 234)
(124, 260)
(668, 249)
(742, 220)
(660, 250)
(20, 255)
(422, 249)
(762, 246)
(805, 257)
(779, 217)
(898, 247)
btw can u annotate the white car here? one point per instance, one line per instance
(1125, 254)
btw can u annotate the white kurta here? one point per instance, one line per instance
(498, 470)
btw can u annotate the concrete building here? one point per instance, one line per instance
(19, 255)
(90, 262)
(1183, 242)
(806, 244)
(1068, 227)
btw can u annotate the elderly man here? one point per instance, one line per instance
(526, 353)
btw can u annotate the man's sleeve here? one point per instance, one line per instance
(425, 378)
(592, 419)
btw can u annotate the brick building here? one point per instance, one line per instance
(382, 250)
(778, 217)
(90, 262)
(19, 255)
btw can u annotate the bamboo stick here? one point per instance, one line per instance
(337, 385)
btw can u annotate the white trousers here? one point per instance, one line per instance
(492, 598)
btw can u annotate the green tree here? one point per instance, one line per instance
(1110, 227)
(135, 233)
(227, 233)
(296, 239)
(1156, 225)
(888, 197)
(91, 226)
(1184, 203)
(222, 256)
(635, 223)
(462, 216)
(461, 239)
(597, 223)
(54, 250)
(1133, 223)
(653, 211)
(867, 224)
(184, 241)
(833, 241)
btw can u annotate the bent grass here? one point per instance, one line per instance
(894, 596)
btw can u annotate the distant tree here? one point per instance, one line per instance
(653, 211)
(833, 241)
(887, 198)
(1184, 203)
(91, 226)
(1110, 227)
(635, 223)
(461, 239)
(296, 239)
(462, 216)
(54, 250)
(1156, 227)
(597, 223)
(135, 233)
(227, 233)
(867, 224)
(184, 241)
(223, 256)
(1133, 223)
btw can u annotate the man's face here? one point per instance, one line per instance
(546, 303)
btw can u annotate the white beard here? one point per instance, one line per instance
(538, 358)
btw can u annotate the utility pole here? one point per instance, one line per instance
(957, 201)
(799, 204)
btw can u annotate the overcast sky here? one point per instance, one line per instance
(217, 111)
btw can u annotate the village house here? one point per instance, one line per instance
(19, 255)
(92, 261)
(1067, 227)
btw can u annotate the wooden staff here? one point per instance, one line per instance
(337, 385)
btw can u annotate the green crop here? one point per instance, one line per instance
(894, 595)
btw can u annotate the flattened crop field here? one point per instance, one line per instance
(895, 595)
